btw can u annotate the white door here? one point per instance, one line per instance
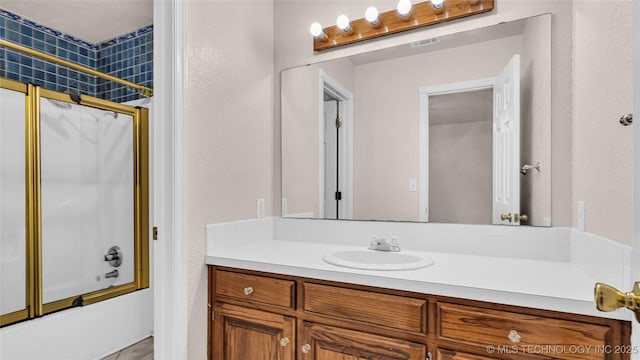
(330, 160)
(506, 144)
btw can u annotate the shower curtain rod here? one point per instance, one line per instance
(144, 91)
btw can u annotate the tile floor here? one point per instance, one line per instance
(142, 350)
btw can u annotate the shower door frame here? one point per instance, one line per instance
(29, 309)
(140, 117)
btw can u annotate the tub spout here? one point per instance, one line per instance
(112, 274)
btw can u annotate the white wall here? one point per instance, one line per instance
(230, 131)
(602, 92)
(454, 198)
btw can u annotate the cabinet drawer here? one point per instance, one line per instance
(368, 307)
(554, 338)
(255, 288)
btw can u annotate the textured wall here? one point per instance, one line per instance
(602, 92)
(230, 131)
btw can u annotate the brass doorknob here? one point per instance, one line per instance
(505, 217)
(514, 217)
(608, 298)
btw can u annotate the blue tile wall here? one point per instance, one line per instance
(129, 57)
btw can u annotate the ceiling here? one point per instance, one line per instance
(499, 31)
(93, 21)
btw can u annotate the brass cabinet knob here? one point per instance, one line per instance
(608, 298)
(284, 341)
(524, 218)
(305, 348)
(514, 337)
(248, 290)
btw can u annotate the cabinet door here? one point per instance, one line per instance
(243, 334)
(444, 354)
(320, 342)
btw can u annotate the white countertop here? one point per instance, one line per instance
(550, 285)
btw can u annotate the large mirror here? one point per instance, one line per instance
(455, 129)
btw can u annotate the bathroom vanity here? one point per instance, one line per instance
(271, 295)
(258, 315)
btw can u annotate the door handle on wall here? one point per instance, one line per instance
(626, 119)
(608, 298)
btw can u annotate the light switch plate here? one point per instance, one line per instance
(413, 185)
(582, 222)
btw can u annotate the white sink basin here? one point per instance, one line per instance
(377, 260)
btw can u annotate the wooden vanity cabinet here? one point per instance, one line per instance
(263, 316)
(321, 342)
(252, 334)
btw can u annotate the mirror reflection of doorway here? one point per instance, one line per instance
(504, 168)
(332, 173)
(460, 142)
(336, 163)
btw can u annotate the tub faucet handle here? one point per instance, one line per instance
(114, 256)
(112, 274)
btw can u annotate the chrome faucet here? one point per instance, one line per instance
(379, 243)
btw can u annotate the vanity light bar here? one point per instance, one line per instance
(390, 22)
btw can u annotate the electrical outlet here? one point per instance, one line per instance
(259, 208)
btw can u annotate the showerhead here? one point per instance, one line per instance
(112, 114)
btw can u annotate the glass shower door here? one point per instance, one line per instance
(74, 198)
(87, 199)
(93, 200)
(13, 235)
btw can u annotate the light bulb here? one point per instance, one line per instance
(316, 30)
(343, 23)
(437, 4)
(371, 14)
(404, 7)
